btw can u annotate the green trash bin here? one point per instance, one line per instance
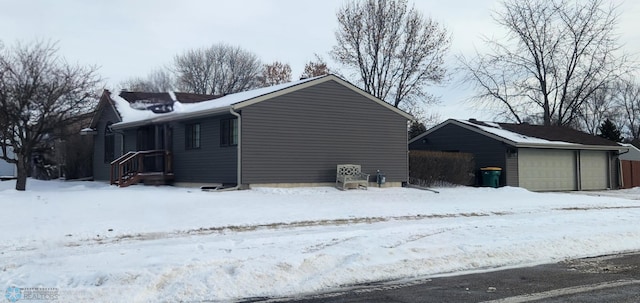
(491, 176)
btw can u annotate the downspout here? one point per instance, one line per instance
(239, 148)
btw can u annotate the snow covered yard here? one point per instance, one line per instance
(94, 242)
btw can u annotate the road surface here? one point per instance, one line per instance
(601, 279)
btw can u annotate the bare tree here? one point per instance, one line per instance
(218, 70)
(394, 49)
(599, 107)
(627, 100)
(158, 81)
(556, 56)
(39, 93)
(315, 68)
(275, 73)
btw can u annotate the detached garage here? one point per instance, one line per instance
(538, 158)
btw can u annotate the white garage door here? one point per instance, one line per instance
(546, 169)
(594, 167)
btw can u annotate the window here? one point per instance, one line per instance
(229, 132)
(192, 136)
(109, 143)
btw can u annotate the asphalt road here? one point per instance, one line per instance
(602, 279)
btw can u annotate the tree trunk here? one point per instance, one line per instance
(23, 172)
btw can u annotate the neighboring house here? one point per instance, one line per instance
(539, 158)
(630, 166)
(64, 152)
(8, 170)
(293, 133)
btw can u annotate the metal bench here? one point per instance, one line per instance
(351, 174)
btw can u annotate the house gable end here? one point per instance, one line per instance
(105, 103)
(318, 81)
(465, 126)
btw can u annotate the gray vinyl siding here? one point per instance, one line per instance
(453, 138)
(101, 170)
(130, 137)
(211, 163)
(302, 136)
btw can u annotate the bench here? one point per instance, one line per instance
(351, 174)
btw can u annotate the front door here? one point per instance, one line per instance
(154, 137)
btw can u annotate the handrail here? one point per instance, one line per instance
(130, 165)
(121, 157)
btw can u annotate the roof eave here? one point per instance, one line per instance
(575, 146)
(465, 126)
(171, 118)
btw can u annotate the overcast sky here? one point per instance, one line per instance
(128, 38)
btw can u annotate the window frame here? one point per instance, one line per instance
(229, 132)
(193, 136)
(109, 143)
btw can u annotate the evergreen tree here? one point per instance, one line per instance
(610, 131)
(416, 129)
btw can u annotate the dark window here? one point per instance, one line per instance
(109, 143)
(192, 136)
(228, 132)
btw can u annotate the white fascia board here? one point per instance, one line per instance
(572, 146)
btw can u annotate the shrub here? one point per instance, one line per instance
(428, 168)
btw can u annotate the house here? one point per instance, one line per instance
(538, 158)
(289, 134)
(629, 166)
(8, 170)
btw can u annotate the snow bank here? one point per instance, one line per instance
(147, 244)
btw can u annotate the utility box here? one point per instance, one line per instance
(380, 178)
(491, 176)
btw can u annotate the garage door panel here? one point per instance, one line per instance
(547, 169)
(594, 168)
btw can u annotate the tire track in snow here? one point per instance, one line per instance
(272, 226)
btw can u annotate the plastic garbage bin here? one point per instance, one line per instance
(491, 176)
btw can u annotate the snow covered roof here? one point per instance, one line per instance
(527, 135)
(182, 110)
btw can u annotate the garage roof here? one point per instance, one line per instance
(536, 136)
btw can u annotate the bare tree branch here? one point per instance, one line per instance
(394, 49)
(315, 68)
(559, 54)
(158, 81)
(39, 93)
(275, 73)
(218, 70)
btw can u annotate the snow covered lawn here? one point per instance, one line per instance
(100, 243)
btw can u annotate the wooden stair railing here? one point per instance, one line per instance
(129, 168)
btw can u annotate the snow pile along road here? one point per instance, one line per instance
(94, 242)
